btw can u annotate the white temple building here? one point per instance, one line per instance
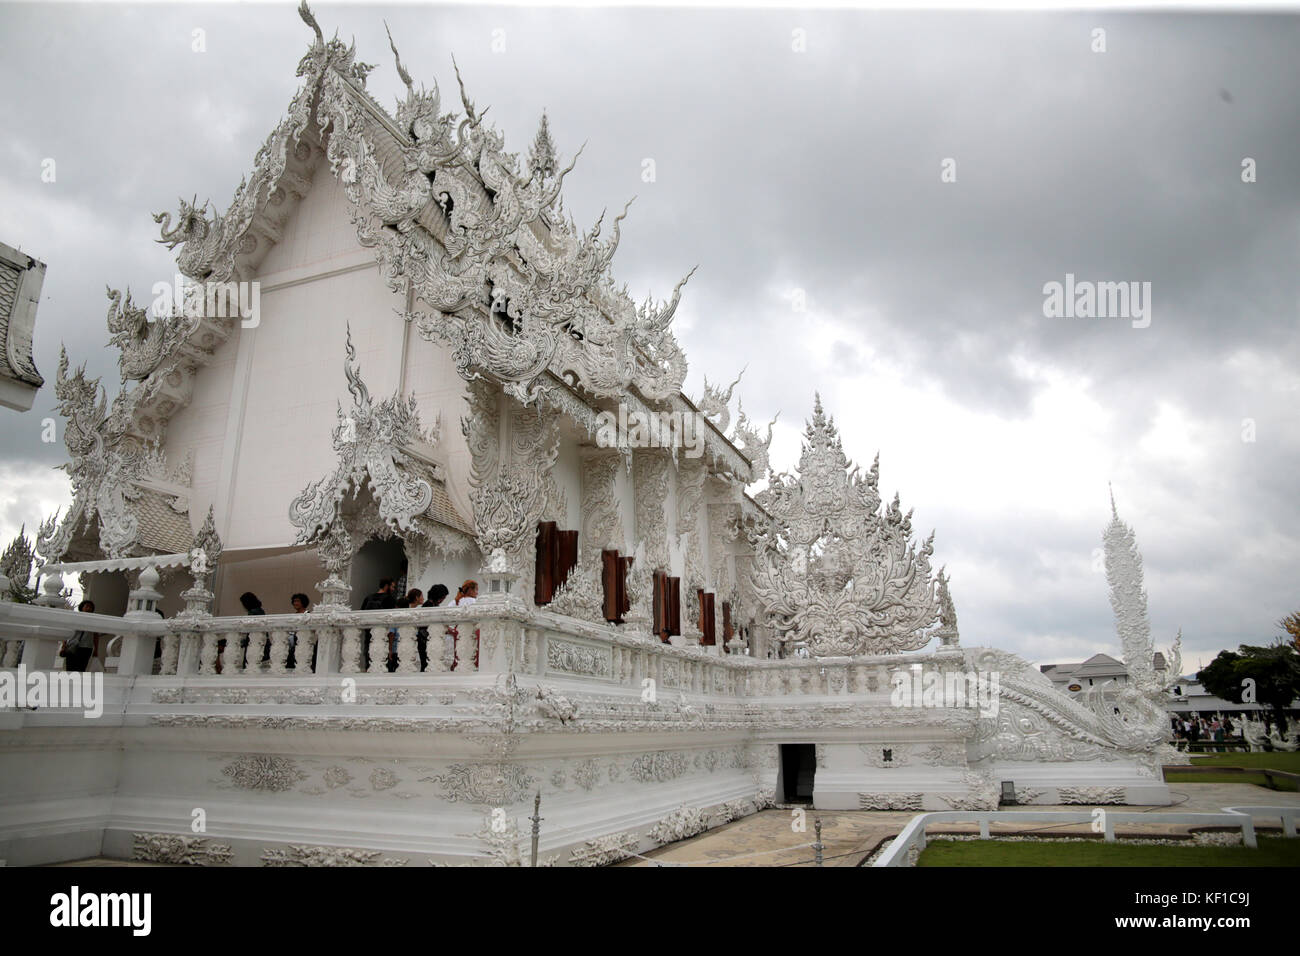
(396, 356)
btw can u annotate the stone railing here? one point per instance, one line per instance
(31, 634)
(504, 636)
(909, 844)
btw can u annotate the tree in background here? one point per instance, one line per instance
(1274, 671)
(1291, 625)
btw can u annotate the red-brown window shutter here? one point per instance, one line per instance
(609, 580)
(543, 579)
(566, 548)
(557, 555)
(674, 606)
(707, 632)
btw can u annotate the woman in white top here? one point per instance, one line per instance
(465, 595)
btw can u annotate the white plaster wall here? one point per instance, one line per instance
(262, 413)
(272, 579)
(430, 375)
(201, 427)
(568, 475)
(625, 495)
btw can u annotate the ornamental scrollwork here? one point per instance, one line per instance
(832, 568)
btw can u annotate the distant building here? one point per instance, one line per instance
(21, 278)
(1187, 697)
(1096, 671)
(1192, 698)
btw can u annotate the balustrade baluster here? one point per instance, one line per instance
(351, 651)
(171, 648)
(208, 653)
(187, 661)
(435, 651)
(466, 647)
(279, 652)
(253, 663)
(232, 655)
(408, 654)
(305, 651)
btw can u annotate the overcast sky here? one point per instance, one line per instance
(818, 169)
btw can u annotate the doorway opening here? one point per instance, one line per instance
(378, 559)
(798, 767)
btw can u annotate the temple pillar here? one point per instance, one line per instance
(141, 605)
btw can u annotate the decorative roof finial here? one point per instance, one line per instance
(474, 118)
(401, 70)
(304, 11)
(541, 156)
(1113, 512)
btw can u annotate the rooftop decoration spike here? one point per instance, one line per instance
(401, 71)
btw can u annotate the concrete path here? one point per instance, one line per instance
(849, 836)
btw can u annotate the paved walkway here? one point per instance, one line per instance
(849, 836)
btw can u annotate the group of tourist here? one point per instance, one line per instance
(1193, 728)
(385, 598)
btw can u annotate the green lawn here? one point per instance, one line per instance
(1287, 762)
(1290, 763)
(1272, 851)
(1173, 776)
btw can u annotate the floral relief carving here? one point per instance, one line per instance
(577, 658)
(682, 823)
(175, 848)
(303, 855)
(890, 801)
(586, 774)
(1094, 796)
(259, 772)
(604, 850)
(495, 784)
(658, 766)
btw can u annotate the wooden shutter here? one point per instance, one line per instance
(566, 555)
(610, 565)
(707, 630)
(659, 603)
(674, 606)
(557, 555)
(544, 578)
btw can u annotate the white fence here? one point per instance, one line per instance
(913, 835)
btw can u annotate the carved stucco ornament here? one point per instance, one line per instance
(370, 443)
(831, 567)
(105, 464)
